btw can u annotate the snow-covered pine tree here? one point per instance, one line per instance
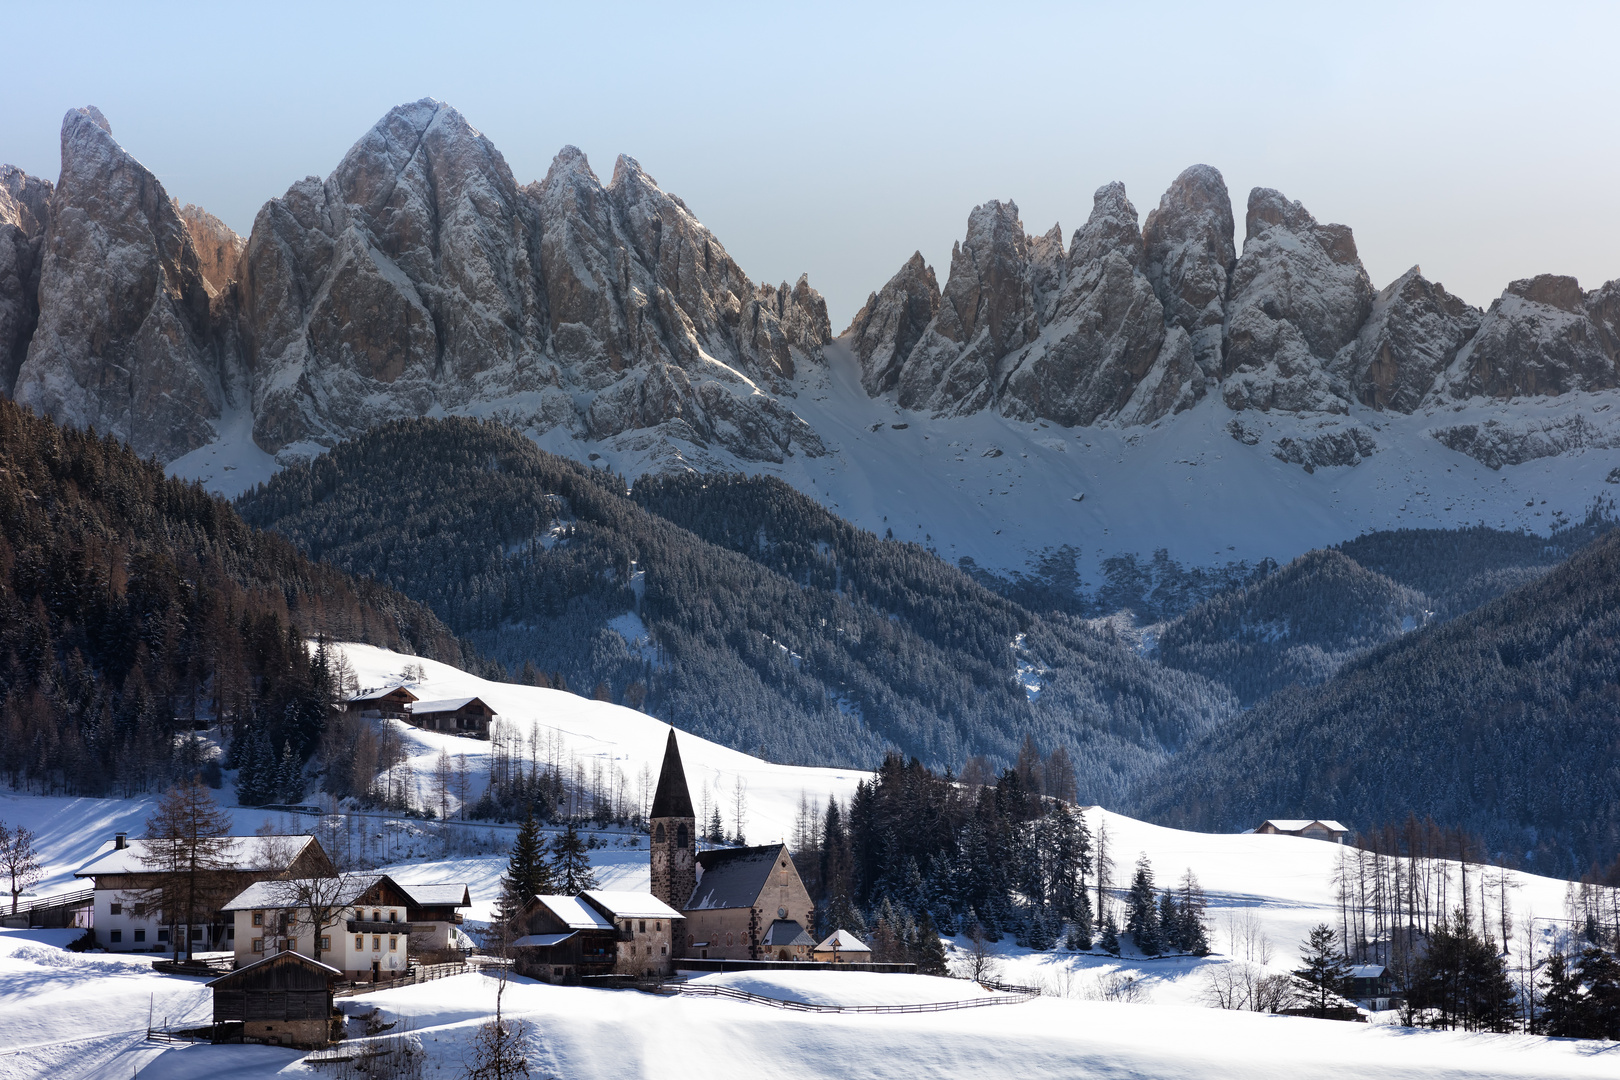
(1110, 935)
(929, 950)
(1191, 905)
(527, 872)
(1142, 911)
(1170, 922)
(1325, 968)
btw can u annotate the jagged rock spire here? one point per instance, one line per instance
(672, 800)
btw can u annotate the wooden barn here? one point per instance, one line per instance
(1311, 829)
(285, 999)
(467, 715)
(383, 703)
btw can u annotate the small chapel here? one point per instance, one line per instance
(739, 903)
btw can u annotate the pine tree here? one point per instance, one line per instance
(571, 862)
(1110, 935)
(1142, 911)
(930, 950)
(527, 873)
(1326, 969)
(1041, 937)
(289, 776)
(1193, 928)
(1561, 999)
(1170, 922)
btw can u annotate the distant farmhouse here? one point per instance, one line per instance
(129, 883)
(1308, 828)
(598, 932)
(462, 715)
(284, 999)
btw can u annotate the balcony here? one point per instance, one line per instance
(367, 926)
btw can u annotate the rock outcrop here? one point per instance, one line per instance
(987, 310)
(1411, 337)
(1106, 351)
(1190, 253)
(1543, 335)
(420, 275)
(124, 340)
(1038, 333)
(219, 249)
(25, 211)
(893, 320)
(1297, 295)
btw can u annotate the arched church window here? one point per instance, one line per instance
(658, 834)
(680, 836)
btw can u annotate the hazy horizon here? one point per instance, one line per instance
(836, 143)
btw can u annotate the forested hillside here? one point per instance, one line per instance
(1297, 626)
(134, 607)
(825, 645)
(1503, 721)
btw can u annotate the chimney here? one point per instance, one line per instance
(120, 841)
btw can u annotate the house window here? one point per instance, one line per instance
(196, 933)
(663, 950)
(258, 944)
(117, 936)
(658, 926)
(258, 918)
(376, 916)
(139, 910)
(643, 926)
(140, 935)
(116, 909)
(393, 916)
(359, 942)
(163, 934)
(376, 943)
(393, 944)
(230, 931)
(326, 944)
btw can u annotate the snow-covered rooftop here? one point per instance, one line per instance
(843, 941)
(575, 913)
(245, 852)
(272, 894)
(625, 904)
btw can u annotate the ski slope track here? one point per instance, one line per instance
(1004, 492)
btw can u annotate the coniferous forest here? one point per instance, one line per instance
(135, 608)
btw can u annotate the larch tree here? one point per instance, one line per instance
(188, 851)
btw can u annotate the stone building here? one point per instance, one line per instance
(739, 903)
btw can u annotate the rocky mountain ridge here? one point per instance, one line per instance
(420, 277)
(1131, 324)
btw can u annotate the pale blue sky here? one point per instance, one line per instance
(1479, 140)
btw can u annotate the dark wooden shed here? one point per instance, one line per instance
(284, 999)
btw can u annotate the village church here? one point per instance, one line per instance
(739, 903)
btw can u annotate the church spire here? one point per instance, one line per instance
(672, 799)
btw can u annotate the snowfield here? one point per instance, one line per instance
(71, 1015)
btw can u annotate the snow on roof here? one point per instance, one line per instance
(732, 877)
(441, 705)
(1301, 824)
(438, 894)
(382, 692)
(1366, 971)
(575, 913)
(284, 957)
(631, 905)
(135, 857)
(528, 941)
(844, 941)
(274, 894)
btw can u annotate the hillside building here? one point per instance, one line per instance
(462, 715)
(434, 912)
(127, 907)
(843, 947)
(382, 703)
(1311, 829)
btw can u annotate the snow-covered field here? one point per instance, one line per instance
(1002, 491)
(72, 1015)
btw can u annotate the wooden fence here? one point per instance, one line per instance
(419, 973)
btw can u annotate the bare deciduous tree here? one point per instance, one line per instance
(19, 862)
(188, 850)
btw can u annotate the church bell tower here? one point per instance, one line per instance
(674, 833)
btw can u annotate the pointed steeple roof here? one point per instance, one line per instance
(672, 799)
